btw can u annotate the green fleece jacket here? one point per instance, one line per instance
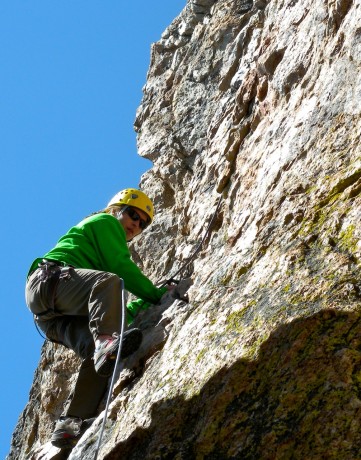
(99, 243)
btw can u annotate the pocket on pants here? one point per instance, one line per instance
(39, 294)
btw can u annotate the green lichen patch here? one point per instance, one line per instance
(347, 239)
(235, 320)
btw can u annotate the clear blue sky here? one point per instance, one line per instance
(71, 79)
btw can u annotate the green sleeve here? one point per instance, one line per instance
(116, 258)
(134, 307)
(99, 243)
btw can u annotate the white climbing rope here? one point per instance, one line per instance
(115, 368)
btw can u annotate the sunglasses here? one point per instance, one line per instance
(132, 213)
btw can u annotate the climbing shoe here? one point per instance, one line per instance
(106, 353)
(68, 430)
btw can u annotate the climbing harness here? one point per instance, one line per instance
(122, 324)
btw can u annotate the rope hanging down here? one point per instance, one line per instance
(198, 248)
(117, 362)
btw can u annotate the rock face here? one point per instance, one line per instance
(256, 104)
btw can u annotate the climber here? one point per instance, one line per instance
(74, 292)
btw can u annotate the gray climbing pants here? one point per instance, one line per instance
(73, 312)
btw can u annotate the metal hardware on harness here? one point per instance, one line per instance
(50, 269)
(51, 273)
(122, 324)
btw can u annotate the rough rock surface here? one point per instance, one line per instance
(256, 104)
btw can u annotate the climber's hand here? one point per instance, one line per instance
(171, 286)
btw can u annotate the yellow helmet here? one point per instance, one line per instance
(135, 198)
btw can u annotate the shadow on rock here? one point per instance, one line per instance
(299, 399)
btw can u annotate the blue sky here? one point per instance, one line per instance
(71, 79)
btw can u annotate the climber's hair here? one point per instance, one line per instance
(112, 210)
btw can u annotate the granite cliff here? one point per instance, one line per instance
(256, 104)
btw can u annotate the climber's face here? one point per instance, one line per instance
(134, 221)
